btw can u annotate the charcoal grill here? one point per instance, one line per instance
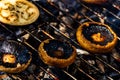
(59, 20)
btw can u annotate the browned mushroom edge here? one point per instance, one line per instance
(96, 37)
(57, 53)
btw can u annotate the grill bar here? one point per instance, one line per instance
(69, 75)
(64, 34)
(64, 13)
(115, 6)
(47, 34)
(112, 13)
(67, 37)
(98, 14)
(33, 36)
(70, 15)
(103, 9)
(62, 21)
(50, 13)
(87, 17)
(91, 65)
(109, 78)
(55, 78)
(6, 28)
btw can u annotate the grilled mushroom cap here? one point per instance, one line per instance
(57, 53)
(94, 1)
(14, 57)
(96, 37)
(18, 12)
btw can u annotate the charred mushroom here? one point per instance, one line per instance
(94, 1)
(18, 12)
(57, 53)
(96, 37)
(14, 57)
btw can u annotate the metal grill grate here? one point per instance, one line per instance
(59, 20)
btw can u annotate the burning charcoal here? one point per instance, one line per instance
(105, 58)
(53, 23)
(62, 7)
(15, 77)
(47, 79)
(62, 27)
(20, 76)
(77, 62)
(7, 47)
(117, 4)
(70, 3)
(102, 18)
(95, 37)
(91, 62)
(6, 34)
(114, 75)
(77, 16)
(58, 73)
(100, 65)
(52, 1)
(116, 55)
(19, 31)
(102, 77)
(118, 14)
(67, 20)
(41, 74)
(26, 36)
(46, 76)
(32, 68)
